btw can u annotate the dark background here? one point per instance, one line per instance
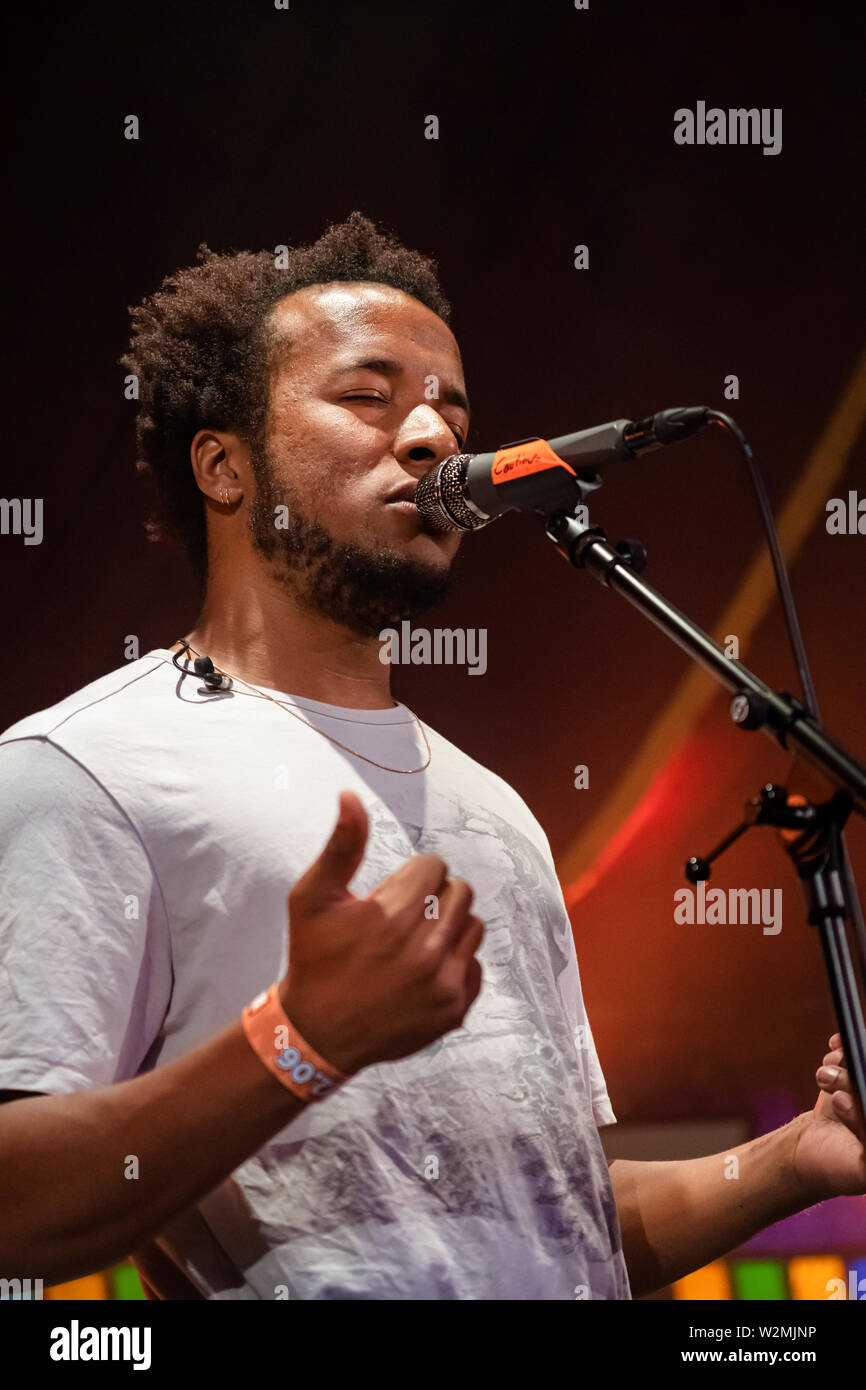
(258, 127)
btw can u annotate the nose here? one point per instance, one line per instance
(424, 440)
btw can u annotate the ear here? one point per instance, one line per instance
(219, 459)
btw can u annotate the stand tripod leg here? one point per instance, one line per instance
(826, 893)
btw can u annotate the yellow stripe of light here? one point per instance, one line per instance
(825, 465)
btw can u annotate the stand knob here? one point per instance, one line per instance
(749, 710)
(697, 869)
(634, 554)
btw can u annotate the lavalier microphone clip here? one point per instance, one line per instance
(204, 668)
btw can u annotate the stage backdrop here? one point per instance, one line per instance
(599, 266)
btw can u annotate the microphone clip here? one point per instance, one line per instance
(204, 668)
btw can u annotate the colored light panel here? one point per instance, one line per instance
(759, 1279)
(92, 1286)
(126, 1283)
(857, 1279)
(711, 1282)
(810, 1275)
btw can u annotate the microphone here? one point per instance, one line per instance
(204, 668)
(466, 491)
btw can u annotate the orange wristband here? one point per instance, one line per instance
(283, 1050)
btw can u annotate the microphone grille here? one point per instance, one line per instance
(440, 497)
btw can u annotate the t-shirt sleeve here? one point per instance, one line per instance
(602, 1110)
(570, 990)
(85, 967)
(571, 994)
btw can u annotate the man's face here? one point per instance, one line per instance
(366, 399)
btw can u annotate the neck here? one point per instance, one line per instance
(263, 635)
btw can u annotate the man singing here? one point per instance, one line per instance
(162, 866)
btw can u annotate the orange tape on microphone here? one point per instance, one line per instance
(519, 460)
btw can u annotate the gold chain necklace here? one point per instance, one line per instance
(404, 771)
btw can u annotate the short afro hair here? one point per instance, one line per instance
(201, 351)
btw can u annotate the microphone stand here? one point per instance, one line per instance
(814, 832)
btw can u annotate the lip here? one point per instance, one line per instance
(406, 493)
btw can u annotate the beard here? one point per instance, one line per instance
(363, 588)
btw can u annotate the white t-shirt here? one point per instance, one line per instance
(150, 832)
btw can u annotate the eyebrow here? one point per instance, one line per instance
(386, 366)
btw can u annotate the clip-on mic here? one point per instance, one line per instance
(203, 667)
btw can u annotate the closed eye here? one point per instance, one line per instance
(382, 400)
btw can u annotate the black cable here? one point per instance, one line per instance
(184, 670)
(203, 668)
(783, 583)
(792, 622)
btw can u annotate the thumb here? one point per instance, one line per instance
(328, 877)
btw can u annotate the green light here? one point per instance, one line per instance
(760, 1279)
(126, 1283)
